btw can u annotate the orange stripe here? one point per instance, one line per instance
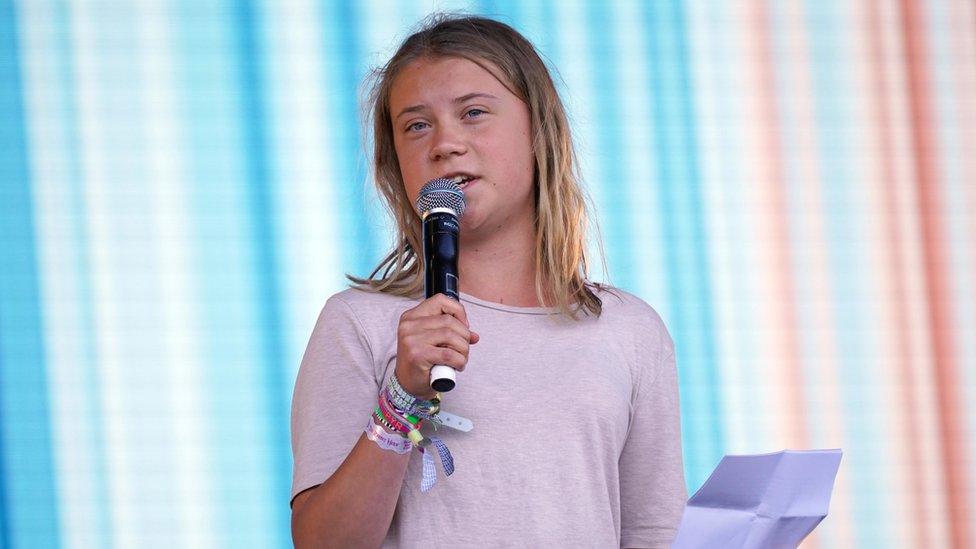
(896, 243)
(964, 53)
(952, 422)
(773, 182)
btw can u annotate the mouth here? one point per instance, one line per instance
(462, 179)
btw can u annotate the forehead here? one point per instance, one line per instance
(428, 80)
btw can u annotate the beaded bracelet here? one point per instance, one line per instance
(413, 414)
(407, 403)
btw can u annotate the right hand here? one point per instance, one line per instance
(434, 332)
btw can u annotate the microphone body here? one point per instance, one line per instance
(441, 240)
(441, 203)
(441, 233)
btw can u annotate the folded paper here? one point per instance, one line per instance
(760, 501)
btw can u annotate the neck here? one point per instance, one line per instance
(501, 268)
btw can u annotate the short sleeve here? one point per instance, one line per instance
(652, 482)
(334, 393)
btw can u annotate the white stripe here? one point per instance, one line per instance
(137, 438)
(119, 474)
(386, 23)
(719, 172)
(178, 309)
(74, 454)
(811, 265)
(303, 148)
(464, 6)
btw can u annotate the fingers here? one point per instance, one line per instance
(445, 331)
(421, 356)
(449, 357)
(438, 313)
(436, 331)
(437, 305)
(446, 325)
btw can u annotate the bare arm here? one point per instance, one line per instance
(354, 507)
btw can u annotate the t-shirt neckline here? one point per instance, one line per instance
(508, 308)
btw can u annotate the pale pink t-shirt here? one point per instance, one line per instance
(576, 439)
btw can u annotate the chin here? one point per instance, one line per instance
(469, 225)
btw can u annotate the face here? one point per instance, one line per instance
(452, 117)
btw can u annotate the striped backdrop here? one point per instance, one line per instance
(792, 184)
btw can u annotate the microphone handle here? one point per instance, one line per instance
(441, 237)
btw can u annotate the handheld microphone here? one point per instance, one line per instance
(441, 204)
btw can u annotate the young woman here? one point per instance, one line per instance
(571, 386)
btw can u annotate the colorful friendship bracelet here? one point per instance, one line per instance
(394, 421)
(409, 426)
(393, 401)
(382, 419)
(409, 414)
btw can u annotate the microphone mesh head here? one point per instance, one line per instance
(441, 193)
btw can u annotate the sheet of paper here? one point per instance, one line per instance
(760, 501)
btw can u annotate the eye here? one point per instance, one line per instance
(416, 126)
(474, 113)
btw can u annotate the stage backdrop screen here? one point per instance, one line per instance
(183, 183)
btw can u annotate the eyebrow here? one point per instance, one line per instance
(456, 100)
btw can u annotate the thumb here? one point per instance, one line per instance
(474, 337)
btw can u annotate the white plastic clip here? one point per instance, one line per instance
(458, 423)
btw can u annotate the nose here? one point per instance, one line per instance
(448, 140)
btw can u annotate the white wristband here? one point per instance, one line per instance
(387, 440)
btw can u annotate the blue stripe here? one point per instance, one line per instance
(99, 528)
(28, 502)
(700, 268)
(549, 49)
(685, 247)
(509, 12)
(345, 67)
(848, 266)
(607, 127)
(506, 11)
(486, 8)
(258, 180)
(208, 83)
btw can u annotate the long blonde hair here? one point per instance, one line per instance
(561, 204)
